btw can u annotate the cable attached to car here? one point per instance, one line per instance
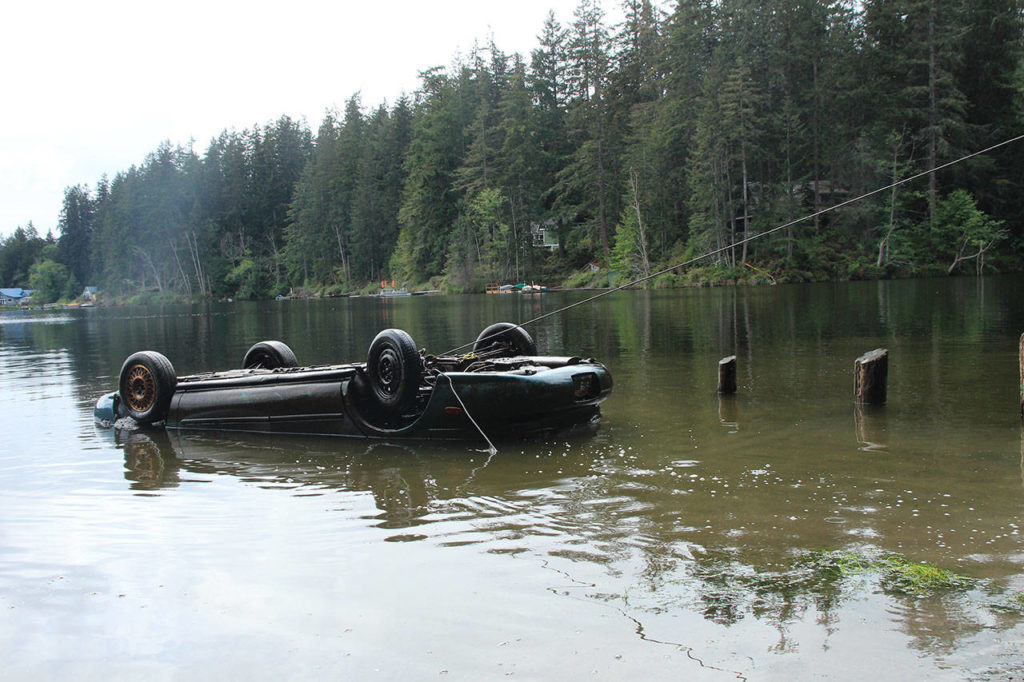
(490, 446)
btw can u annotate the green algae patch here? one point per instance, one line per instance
(896, 573)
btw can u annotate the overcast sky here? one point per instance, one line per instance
(92, 87)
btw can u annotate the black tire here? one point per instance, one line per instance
(511, 338)
(269, 355)
(146, 386)
(394, 368)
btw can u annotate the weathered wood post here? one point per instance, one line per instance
(727, 375)
(871, 371)
(1022, 375)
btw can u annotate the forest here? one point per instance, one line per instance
(610, 152)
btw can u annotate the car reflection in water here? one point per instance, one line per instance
(407, 481)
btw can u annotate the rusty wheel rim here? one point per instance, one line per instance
(141, 389)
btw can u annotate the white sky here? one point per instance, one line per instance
(92, 87)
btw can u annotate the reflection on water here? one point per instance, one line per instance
(587, 502)
(678, 538)
(871, 424)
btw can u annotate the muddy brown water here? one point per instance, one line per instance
(672, 543)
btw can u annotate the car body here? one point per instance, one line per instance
(496, 391)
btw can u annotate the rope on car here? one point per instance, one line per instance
(490, 446)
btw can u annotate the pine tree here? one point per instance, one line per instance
(378, 192)
(546, 79)
(522, 162)
(76, 229)
(436, 151)
(587, 187)
(914, 48)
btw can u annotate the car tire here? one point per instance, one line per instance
(394, 368)
(514, 339)
(146, 386)
(269, 355)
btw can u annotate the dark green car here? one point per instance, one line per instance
(502, 389)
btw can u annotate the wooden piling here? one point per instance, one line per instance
(871, 372)
(727, 375)
(1022, 375)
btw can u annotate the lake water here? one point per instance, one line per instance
(673, 543)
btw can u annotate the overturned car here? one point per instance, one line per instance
(502, 389)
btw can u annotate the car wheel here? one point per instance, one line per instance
(269, 355)
(511, 338)
(146, 386)
(394, 368)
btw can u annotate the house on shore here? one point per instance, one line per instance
(545, 235)
(15, 296)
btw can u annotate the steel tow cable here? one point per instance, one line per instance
(490, 446)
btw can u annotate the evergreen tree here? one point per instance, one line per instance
(694, 129)
(652, 150)
(587, 187)
(310, 213)
(522, 162)
(992, 59)
(76, 228)
(18, 253)
(378, 193)
(914, 51)
(546, 80)
(430, 197)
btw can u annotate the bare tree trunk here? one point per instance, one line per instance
(602, 210)
(789, 182)
(978, 256)
(515, 233)
(883, 247)
(719, 213)
(816, 152)
(149, 261)
(181, 271)
(277, 260)
(341, 252)
(732, 218)
(746, 195)
(933, 123)
(193, 249)
(641, 236)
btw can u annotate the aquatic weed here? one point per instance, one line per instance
(897, 573)
(837, 564)
(726, 590)
(900, 575)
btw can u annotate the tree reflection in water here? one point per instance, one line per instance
(567, 501)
